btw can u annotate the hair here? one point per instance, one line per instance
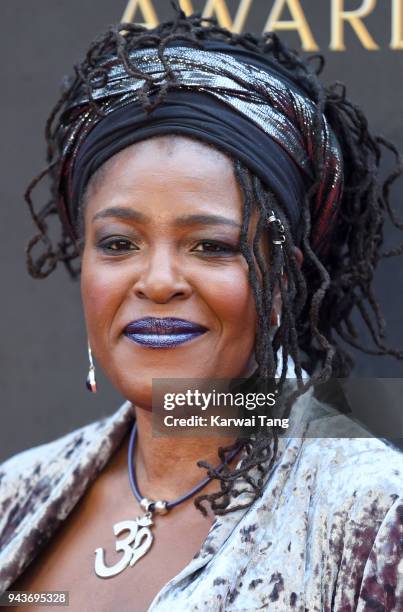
(320, 298)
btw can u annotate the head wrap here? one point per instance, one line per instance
(243, 103)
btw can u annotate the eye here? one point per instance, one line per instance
(211, 247)
(117, 245)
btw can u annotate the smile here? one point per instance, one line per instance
(165, 332)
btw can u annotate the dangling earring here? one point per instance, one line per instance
(278, 320)
(90, 382)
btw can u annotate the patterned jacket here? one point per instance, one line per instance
(325, 536)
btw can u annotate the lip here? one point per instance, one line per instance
(163, 332)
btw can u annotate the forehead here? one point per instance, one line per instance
(147, 153)
(166, 170)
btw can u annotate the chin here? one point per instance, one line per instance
(135, 380)
(141, 388)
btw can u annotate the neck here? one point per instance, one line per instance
(166, 467)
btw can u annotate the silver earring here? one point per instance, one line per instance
(278, 320)
(279, 238)
(90, 383)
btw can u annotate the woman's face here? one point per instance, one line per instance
(162, 228)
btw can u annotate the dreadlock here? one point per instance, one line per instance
(319, 298)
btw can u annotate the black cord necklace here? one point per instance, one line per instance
(140, 538)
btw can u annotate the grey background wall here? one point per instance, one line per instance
(43, 360)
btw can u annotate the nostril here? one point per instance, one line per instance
(162, 288)
(160, 295)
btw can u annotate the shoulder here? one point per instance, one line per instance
(47, 453)
(63, 448)
(352, 468)
(40, 486)
(352, 485)
(339, 460)
(322, 536)
(356, 512)
(334, 522)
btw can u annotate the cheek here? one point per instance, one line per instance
(101, 292)
(231, 298)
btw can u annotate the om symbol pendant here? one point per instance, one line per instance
(134, 546)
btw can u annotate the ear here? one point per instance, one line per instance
(277, 306)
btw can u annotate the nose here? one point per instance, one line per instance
(162, 278)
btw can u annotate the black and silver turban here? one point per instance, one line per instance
(244, 104)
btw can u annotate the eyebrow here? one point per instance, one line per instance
(205, 220)
(120, 212)
(129, 214)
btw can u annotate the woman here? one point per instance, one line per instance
(228, 216)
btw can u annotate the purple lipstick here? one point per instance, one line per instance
(166, 332)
